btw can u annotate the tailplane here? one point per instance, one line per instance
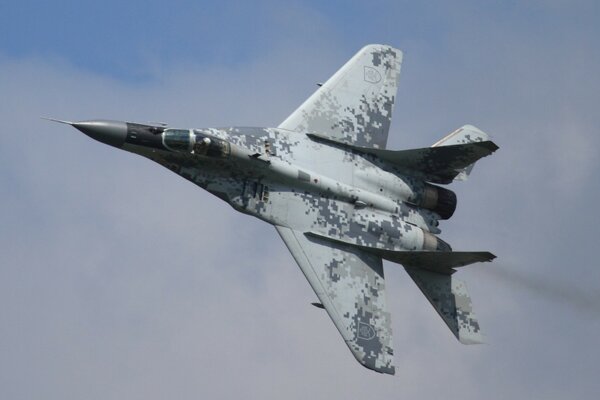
(450, 159)
(463, 135)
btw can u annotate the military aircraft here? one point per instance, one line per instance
(338, 198)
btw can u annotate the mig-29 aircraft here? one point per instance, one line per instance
(338, 198)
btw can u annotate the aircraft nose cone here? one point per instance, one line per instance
(112, 133)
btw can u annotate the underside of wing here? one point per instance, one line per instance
(350, 285)
(355, 105)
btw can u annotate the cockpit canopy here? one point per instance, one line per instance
(195, 142)
(179, 140)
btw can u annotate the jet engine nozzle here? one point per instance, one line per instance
(439, 200)
(434, 243)
(108, 132)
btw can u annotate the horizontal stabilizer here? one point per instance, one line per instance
(464, 134)
(442, 262)
(437, 261)
(452, 302)
(441, 164)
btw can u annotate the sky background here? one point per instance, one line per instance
(119, 279)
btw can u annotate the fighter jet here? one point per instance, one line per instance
(341, 201)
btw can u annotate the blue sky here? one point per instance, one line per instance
(117, 38)
(119, 279)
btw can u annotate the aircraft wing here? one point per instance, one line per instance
(355, 105)
(350, 285)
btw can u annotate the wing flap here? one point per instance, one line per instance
(350, 285)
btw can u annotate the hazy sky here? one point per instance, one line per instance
(119, 279)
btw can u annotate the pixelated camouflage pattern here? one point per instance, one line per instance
(451, 300)
(250, 188)
(437, 164)
(440, 164)
(340, 209)
(355, 105)
(243, 186)
(463, 135)
(350, 284)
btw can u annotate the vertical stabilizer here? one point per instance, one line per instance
(451, 300)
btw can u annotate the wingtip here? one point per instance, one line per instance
(471, 341)
(489, 145)
(470, 338)
(60, 121)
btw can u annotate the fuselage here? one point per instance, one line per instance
(273, 174)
